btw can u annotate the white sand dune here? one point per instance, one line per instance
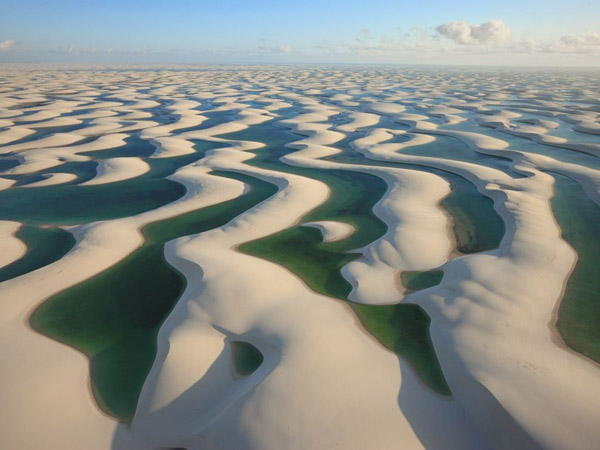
(52, 179)
(35, 159)
(325, 382)
(526, 203)
(54, 140)
(11, 247)
(54, 122)
(14, 134)
(188, 117)
(65, 378)
(5, 183)
(331, 231)
(417, 237)
(228, 299)
(118, 169)
(40, 116)
(359, 120)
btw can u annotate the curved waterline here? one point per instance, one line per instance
(114, 317)
(44, 246)
(402, 328)
(579, 309)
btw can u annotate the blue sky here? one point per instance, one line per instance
(379, 31)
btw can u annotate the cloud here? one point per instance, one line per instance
(7, 45)
(419, 32)
(493, 32)
(589, 39)
(585, 44)
(528, 46)
(276, 49)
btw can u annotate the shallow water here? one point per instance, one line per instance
(114, 317)
(301, 250)
(579, 311)
(117, 324)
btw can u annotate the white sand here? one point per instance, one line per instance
(325, 382)
(118, 169)
(498, 318)
(65, 378)
(331, 231)
(52, 179)
(11, 247)
(233, 295)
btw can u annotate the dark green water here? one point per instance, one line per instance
(246, 357)
(415, 281)
(69, 203)
(476, 225)
(404, 329)
(114, 317)
(579, 311)
(44, 246)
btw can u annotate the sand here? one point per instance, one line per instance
(331, 231)
(325, 382)
(11, 247)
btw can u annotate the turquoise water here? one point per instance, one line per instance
(44, 246)
(114, 317)
(579, 311)
(246, 357)
(72, 204)
(402, 328)
(450, 148)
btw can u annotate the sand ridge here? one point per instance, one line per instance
(512, 385)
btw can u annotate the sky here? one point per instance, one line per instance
(454, 32)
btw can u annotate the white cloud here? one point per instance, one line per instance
(419, 32)
(525, 46)
(276, 49)
(587, 43)
(589, 39)
(7, 45)
(493, 32)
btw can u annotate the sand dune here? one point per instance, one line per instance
(323, 381)
(117, 169)
(331, 231)
(12, 248)
(65, 378)
(52, 179)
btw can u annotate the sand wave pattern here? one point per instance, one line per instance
(299, 257)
